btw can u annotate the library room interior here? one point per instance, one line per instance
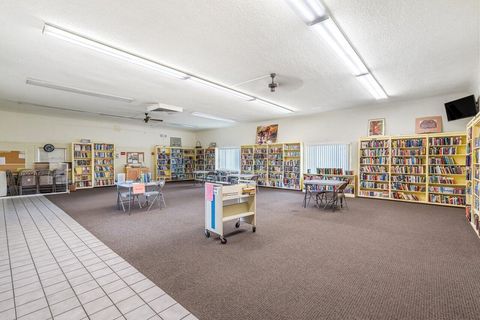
(239, 159)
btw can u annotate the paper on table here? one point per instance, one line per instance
(208, 191)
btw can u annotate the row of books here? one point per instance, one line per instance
(408, 143)
(373, 152)
(374, 144)
(446, 170)
(409, 152)
(405, 196)
(373, 169)
(408, 187)
(409, 179)
(375, 194)
(403, 169)
(452, 190)
(442, 160)
(408, 161)
(374, 177)
(81, 154)
(373, 185)
(103, 146)
(444, 141)
(443, 150)
(443, 199)
(82, 147)
(380, 160)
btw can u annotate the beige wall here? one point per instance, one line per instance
(26, 132)
(342, 126)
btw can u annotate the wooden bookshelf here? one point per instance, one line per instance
(427, 168)
(82, 165)
(334, 174)
(104, 164)
(176, 163)
(473, 174)
(276, 165)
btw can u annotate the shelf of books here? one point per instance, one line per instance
(104, 164)
(473, 174)
(408, 176)
(427, 168)
(199, 159)
(374, 168)
(335, 174)
(210, 154)
(189, 162)
(82, 165)
(246, 159)
(276, 165)
(260, 156)
(162, 163)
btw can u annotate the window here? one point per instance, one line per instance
(228, 159)
(327, 156)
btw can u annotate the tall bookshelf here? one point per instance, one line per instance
(427, 168)
(473, 174)
(162, 163)
(177, 163)
(104, 164)
(276, 165)
(82, 165)
(189, 162)
(200, 159)
(246, 159)
(374, 168)
(292, 165)
(210, 155)
(260, 158)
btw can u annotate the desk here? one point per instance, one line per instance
(309, 184)
(129, 186)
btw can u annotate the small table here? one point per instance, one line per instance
(129, 185)
(309, 189)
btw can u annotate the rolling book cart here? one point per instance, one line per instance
(224, 203)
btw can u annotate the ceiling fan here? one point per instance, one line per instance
(148, 118)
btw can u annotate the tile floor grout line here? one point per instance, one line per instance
(108, 265)
(94, 279)
(9, 260)
(46, 243)
(33, 261)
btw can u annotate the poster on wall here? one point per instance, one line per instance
(376, 127)
(135, 157)
(267, 134)
(431, 124)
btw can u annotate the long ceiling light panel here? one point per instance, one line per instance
(212, 117)
(86, 42)
(55, 86)
(316, 16)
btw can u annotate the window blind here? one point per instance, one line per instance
(327, 156)
(228, 159)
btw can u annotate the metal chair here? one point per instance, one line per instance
(11, 184)
(45, 181)
(155, 195)
(27, 182)
(341, 194)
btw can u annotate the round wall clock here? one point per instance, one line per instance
(48, 147)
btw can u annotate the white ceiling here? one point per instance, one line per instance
(414, 48)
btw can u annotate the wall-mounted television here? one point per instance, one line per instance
(461, 108)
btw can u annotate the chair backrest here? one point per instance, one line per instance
(343, 186)
(27, 178)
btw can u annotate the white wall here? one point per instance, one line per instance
(26, 132)
(342, 126)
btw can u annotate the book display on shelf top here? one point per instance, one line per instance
(427, 168)
(277, 165)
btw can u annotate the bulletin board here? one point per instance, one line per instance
(12, 160)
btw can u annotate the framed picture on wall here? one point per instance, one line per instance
(376, 127)
(267, 134)
(431, 124)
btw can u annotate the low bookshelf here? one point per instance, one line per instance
(428, 168)
(334, 174)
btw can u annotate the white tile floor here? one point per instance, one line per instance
(52, 268)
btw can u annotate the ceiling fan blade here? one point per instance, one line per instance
(159, 120)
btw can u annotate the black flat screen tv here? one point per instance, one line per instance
(461, 108)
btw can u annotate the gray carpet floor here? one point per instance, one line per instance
(376, 260)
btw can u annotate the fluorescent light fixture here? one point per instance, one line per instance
(51, 85)
(371, 84)
(111, 51)
(330, 32)
(271, 104)
(222, 88)
(209, 116)
(310, 11)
